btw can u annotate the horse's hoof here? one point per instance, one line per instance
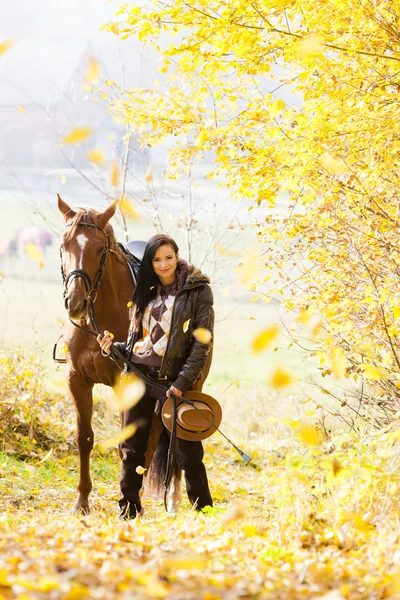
(81, 508)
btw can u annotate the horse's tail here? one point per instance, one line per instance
(156, 471)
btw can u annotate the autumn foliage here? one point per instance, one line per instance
(298, 101)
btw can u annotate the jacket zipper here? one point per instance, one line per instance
(172, 322)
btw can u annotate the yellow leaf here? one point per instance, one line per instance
(4, 581)
(149, 175)
(21, 109)
(310, 45)
(396, 312)
(140, 470)
(4, 46)
(265, 338)
(156, 589)
(202, 335)
(63, 179)
(186, 326)
(224, 251)
(336, 467)
(393, 589)
(35, 254)
(232, 514)
(50, 452)
(93, 72)
(338, 362)
(280, 379)
(310, 435)
(114, 440)
(128, 392)
(359, 523)
(96, 156)
(184, 561)
(130, 304)
(374, 373)
(333, 164)
(114, 173)
(128, 208)
(78, 135)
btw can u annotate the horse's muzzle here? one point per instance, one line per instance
(77, 309)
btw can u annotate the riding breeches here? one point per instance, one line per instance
(189, 456)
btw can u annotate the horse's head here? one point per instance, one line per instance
(84, 247)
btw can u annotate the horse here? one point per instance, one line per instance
(96, 275)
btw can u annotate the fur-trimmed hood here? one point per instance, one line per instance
(196, 276)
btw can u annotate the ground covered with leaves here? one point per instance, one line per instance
(303, 522)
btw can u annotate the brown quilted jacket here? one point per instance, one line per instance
(184, 357)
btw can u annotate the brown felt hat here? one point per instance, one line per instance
(196, 422)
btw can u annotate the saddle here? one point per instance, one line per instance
(134, 251)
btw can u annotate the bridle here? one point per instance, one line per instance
(91, 287)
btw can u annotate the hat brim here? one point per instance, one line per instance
(185, 434)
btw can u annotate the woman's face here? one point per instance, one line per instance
(164, 263)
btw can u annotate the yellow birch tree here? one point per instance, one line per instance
(330, 155)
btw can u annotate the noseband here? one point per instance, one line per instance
(91, 287)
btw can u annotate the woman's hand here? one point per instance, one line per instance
(106, 341)
(175, 391)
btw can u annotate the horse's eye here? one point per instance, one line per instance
(100, 251)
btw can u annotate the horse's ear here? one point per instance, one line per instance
(64, 209)
(106, 215)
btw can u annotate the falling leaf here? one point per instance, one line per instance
(128, 392)
(227, 291)
(93, 72)
(96, 156)
(34, 253)
(374, 373)
(149, 175)
(63, 179)
(128, 208)
(186, 326)
(114, 440)
(50, 452)
(78, 135)
(310, 435)
(265, 338)
(310, 45)
(280, 379)
(140, 470)
(333, 164)
(225, 251)
(338, 362)
(232, 514)
(202, 335)
(21, 109)
(184, 561)
(114, 173)
(4, 46)
(130, 304)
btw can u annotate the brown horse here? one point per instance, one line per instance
(96, 274)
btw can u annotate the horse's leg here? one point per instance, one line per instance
(82, 395)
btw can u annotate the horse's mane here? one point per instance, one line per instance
(89, 215)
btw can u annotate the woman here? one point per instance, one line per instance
(171, 299)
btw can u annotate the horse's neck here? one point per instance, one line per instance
(114, 293)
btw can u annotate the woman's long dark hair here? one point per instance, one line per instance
(148, 281)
